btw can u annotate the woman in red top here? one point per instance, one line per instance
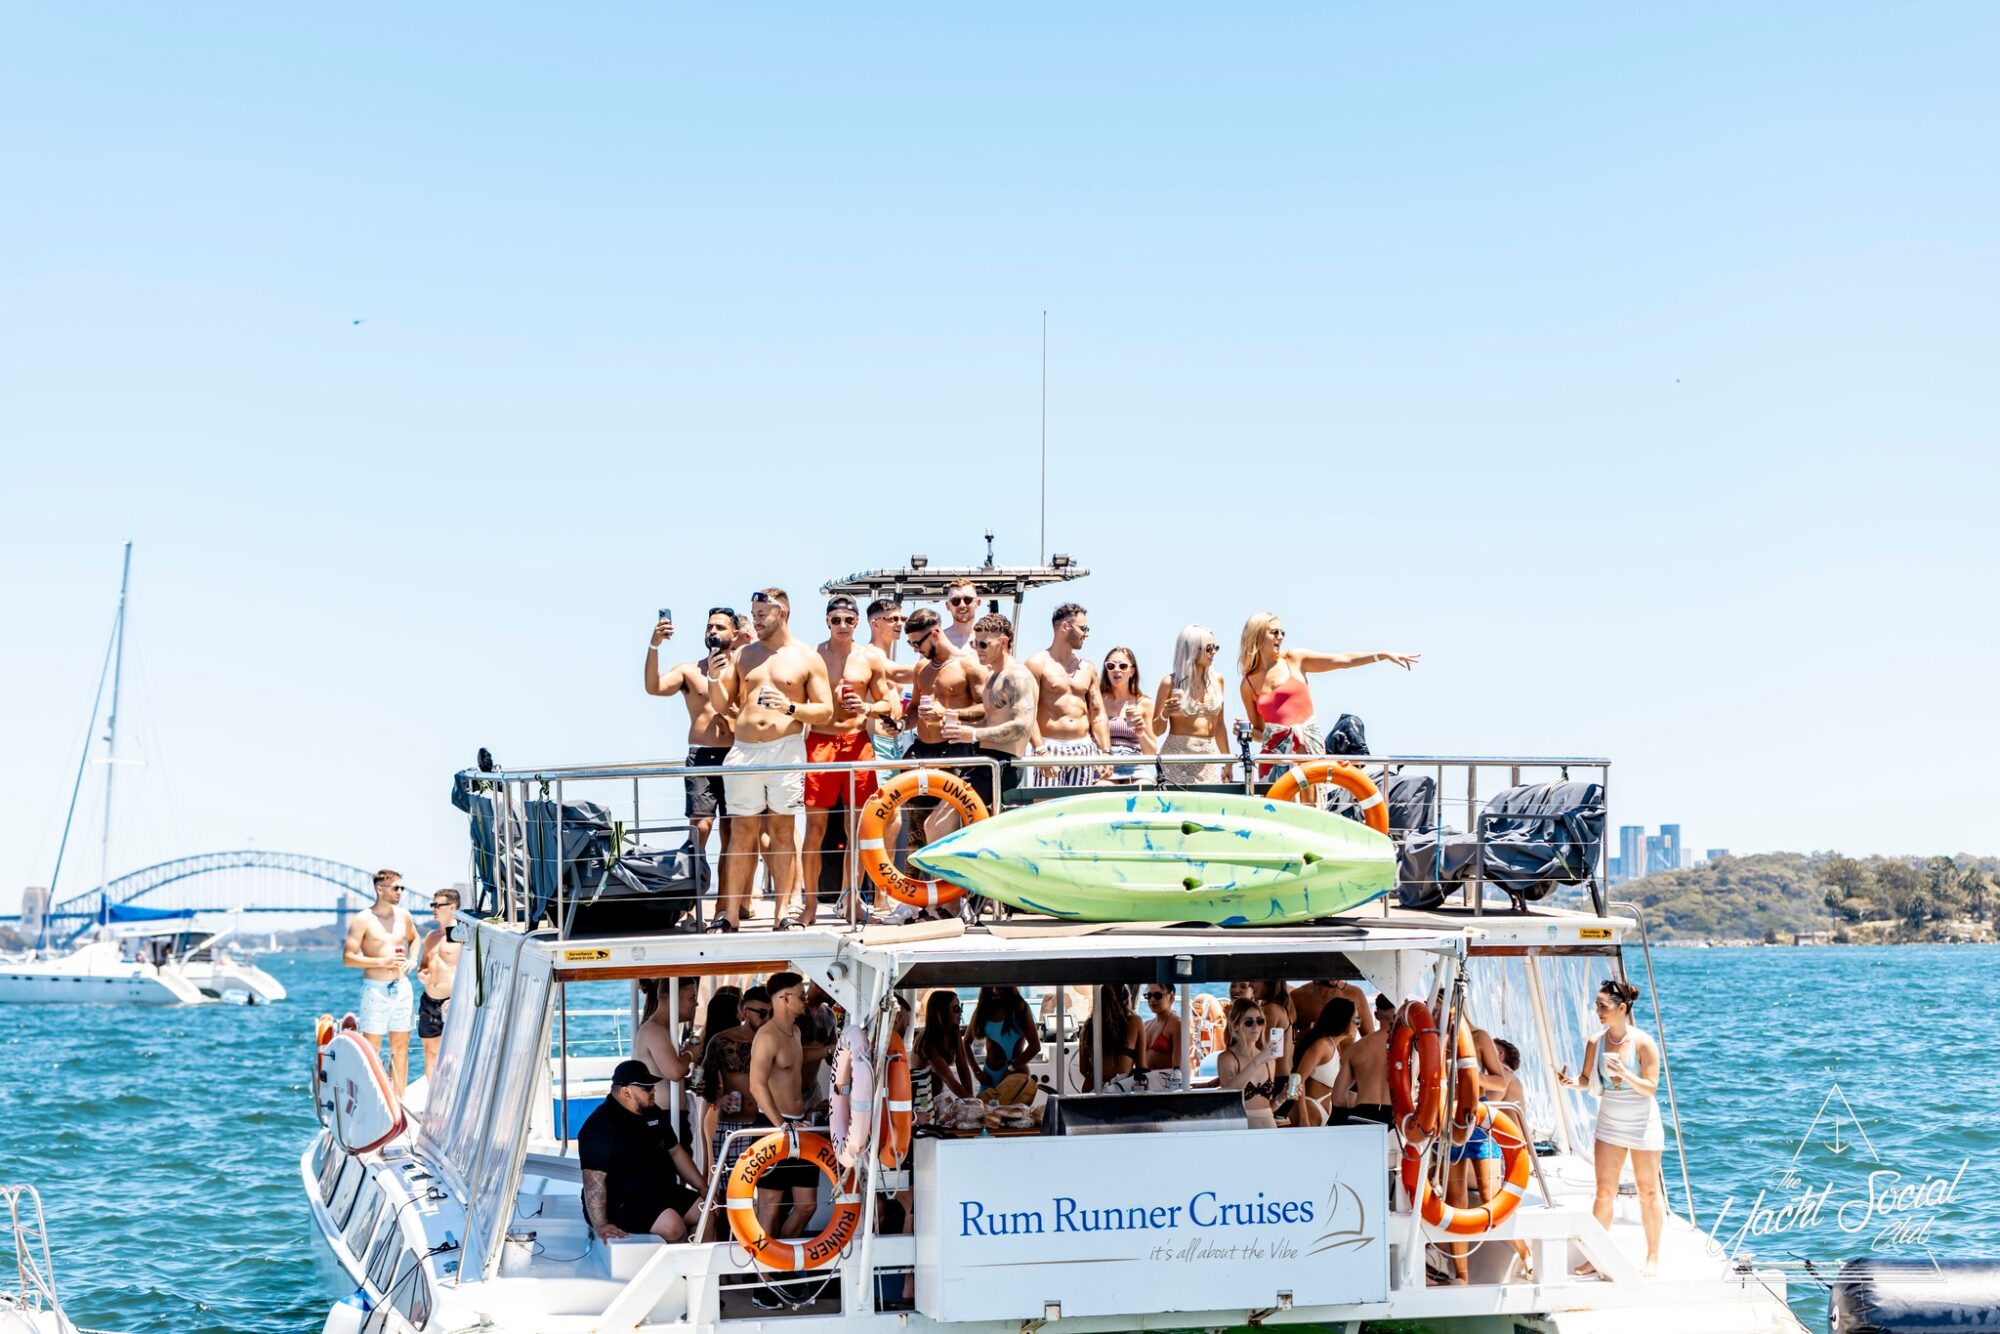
(1275, 693)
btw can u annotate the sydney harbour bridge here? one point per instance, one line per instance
(273, 890)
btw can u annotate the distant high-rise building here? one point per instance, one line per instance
(1670, 838)
(1632, 850)
(1715, 854)
(1656, 855)
(1616, 870)
(34, 906)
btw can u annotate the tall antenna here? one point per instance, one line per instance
(1045, 437)
(111, 728)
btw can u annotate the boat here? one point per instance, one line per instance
(30, 1304)
(220, 972)
(1152, 856)
(108, 969)
(1070, 1208)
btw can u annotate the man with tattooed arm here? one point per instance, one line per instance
(1008, 725)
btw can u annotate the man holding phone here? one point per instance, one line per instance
(859, 674)
(770, 692)
(708, 734)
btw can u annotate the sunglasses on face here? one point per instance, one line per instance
(1210, 648)
(1117, 666)
(960, 602)
(987, 643)
(923, 639)
(843, 620)
(443, 903)
(896, 616)
(1253, 1023)
(1156, 995)
(756, 1012)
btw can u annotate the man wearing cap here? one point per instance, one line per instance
(637, 1174)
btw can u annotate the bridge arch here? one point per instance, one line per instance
(258, 880)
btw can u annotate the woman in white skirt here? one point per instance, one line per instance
(1622, 1068)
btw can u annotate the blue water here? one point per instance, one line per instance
(166, 1142)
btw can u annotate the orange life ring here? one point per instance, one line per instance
(873, 852)
(1472, 1221)
(1418, 1115)
(1465, 1092)
(791, 1253)
(893, 1137)
(1368, 798)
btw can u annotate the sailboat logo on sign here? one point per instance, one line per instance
(1887, 1210)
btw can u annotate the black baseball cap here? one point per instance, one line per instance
(634, 1073)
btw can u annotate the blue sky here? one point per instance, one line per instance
(1632, 364)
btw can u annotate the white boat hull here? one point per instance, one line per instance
(223, 977)
(93, 974)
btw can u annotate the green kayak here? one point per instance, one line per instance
(1165, 856)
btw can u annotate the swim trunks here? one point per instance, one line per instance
(1069, 775)
(790, 1174)
(757, 793)
(920, 807)
(385, 1006)
(430, 1016)
(704, 791)
(981, 778)
(828, 788)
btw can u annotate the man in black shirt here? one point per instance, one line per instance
(637, 1174)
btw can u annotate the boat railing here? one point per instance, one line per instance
(640, 808)
(34, 1270)
(601, 1033)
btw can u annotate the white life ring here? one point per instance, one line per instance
(853, 1086)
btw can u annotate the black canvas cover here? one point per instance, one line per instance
(1538, 836)
(1410, 796)
(492, 829)
(639, 893)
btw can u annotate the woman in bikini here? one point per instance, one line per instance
(725, 1070)
(1622, 1067)
(1161, 1041)
(1124, 1036)
(1189, 703)
(1276, 697)
(1342, 1021)
(1129, 714)
(1246, 1063)
(1003, 1032)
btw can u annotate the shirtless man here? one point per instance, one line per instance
(963, 600)
(725, 1078)
(708, 731)
(859, 674)
(437, 963)
(777, 1069)
(1009, 698)
(947, 685)
(770, 692)
(656, 1040)
(1364, 1079)
(1069, 711)
(885, 632)
(379, 943)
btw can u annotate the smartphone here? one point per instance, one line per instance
(713, 642)
(666, 613)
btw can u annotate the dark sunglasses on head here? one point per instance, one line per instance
(766, 598)
(960, 601)
(730, 612)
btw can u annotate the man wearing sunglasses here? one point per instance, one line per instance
(861, 693)
(437, 962)
(946, 686)
(885, 632)
(1069, 709)
(962, 600)
(1010, 703)
(770, 692)
(708, 734)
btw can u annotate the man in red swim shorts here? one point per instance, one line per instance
(860, 674)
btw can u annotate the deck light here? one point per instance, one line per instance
(1051, 1311)
(918, 562)
(1061, 560)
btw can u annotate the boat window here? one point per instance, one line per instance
(322, 1149)
(329, 1171)
(352, 1174)
(383, 1262)
(393, 1300)
(362, 1223)
(413, 1299)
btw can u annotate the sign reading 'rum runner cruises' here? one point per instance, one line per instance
(1112, 1224)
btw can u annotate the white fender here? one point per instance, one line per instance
(853, 1087)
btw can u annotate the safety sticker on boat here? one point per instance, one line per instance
(586, 956)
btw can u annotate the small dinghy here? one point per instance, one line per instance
(1168, 857)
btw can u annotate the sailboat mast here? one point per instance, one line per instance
(111, 738)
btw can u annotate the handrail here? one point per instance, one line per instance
(1666, 1069)
(672, 769)
(36, 1278)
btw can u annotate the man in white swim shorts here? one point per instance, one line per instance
(771, 691)
(381, 943)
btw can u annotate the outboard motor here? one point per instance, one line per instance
(1914, 1297)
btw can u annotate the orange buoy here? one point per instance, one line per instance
(873, 852)
(1473, 1220)
(1367, 797)
(791, 1253)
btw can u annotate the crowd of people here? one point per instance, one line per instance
(760, 696)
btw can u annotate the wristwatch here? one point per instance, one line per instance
(791, 709)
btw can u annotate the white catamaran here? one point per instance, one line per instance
(1146, 1204)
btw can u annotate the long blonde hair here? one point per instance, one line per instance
(1253, 636)
(1190, 673)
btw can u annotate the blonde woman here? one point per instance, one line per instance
(1190, 704)
(1129, 713)
(1276, 697)
(1246, 1063)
